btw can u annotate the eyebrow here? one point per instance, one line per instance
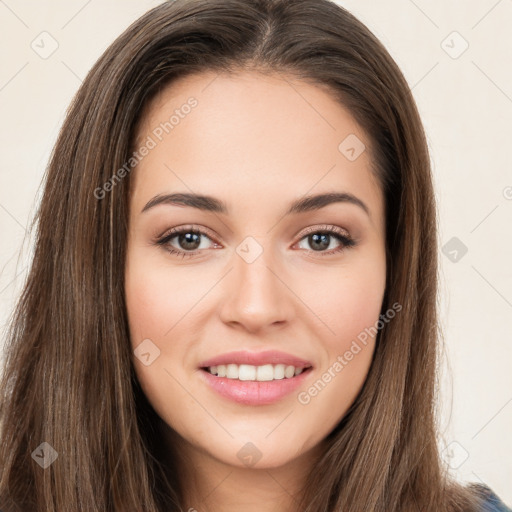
(212, 204)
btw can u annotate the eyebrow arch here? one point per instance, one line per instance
(212, 204)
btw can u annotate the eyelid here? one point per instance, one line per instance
(190, 227)
(324, 227)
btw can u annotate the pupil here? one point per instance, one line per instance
(189, 238)
(321, 239)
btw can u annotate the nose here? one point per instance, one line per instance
(257, 297)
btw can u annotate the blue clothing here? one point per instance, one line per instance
(492, 502)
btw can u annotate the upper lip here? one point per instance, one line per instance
(256, 359)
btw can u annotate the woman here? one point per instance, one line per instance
(232, 303)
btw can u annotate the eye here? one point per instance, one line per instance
(188, 241)
(324, 237)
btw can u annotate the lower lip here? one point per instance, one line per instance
(254, 392)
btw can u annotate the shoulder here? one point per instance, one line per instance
(492, 503)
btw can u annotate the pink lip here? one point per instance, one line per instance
(256, 359)
(253, 392)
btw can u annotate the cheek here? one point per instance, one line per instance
(163, 314)
(157, 300)
(348, 301)
(349, 305)
(157, 304)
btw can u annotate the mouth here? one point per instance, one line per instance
(251, 378)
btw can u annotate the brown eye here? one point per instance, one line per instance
(184, 241)
(320, 240)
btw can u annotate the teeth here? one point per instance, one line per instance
(246, 372)
(279, 371)
(266, 372)
(232, 371)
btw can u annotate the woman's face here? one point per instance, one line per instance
(257, 289)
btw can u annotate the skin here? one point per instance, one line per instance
(257, 142)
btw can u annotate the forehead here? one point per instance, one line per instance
(251, 135)
(257, 103)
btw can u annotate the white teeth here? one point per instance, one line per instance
(262, 373)
(265, 372)
(246, 372)
(279, 371)
(232, 371)
(289, 372)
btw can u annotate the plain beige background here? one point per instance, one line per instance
(456, 57)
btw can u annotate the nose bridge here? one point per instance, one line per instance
(257, 297)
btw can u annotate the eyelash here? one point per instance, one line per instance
(346, 241)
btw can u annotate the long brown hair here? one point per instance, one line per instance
(69, 389)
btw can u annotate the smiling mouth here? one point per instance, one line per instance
(263, 373)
